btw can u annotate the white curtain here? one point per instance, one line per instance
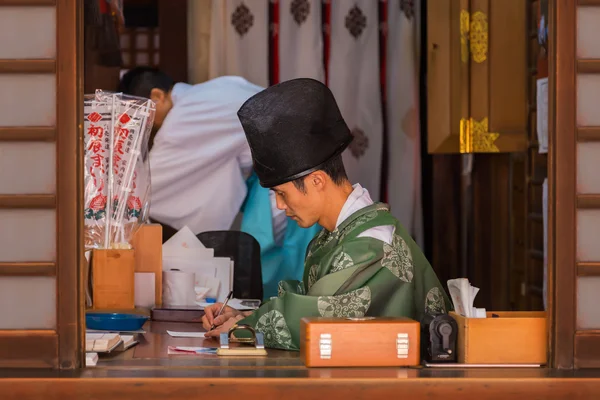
(355, 81)
(402, 86)
(239, 40)
(300, 40)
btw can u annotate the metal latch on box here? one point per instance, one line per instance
(402, 345)
(325, 346)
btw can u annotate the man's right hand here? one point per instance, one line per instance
(210, 313)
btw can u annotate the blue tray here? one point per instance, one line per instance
(114, 322)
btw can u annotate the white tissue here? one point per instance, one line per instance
(463, 295)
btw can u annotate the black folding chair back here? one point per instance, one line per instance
(244, 250)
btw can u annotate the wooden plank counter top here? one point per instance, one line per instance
(147, 372)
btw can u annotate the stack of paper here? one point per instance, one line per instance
(213, 276)
(463, 295)
(96, 342)
(101, 342)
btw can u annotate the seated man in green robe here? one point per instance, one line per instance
(363, 262)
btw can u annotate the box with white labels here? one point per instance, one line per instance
(359, 342)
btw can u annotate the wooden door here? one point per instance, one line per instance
(477, 76)
(40, 190)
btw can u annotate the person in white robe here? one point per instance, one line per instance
(199, 156)
(201, 168)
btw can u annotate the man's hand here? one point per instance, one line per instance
(210, 313)
(224, 326)
(220, 320)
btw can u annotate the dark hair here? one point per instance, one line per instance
(333, 167)
(140, 81)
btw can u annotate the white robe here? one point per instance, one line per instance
(201, 158)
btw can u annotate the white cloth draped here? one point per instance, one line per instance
(201, 158)
(239, 40)
(354, 80)
(300, 40)
(404, 165)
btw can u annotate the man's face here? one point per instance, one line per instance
(163, 103)
(302, 207)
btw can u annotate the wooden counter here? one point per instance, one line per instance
(146, 372)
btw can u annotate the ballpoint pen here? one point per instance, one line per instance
(222, 308)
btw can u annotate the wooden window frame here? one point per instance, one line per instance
(61, 347)
(570, 348)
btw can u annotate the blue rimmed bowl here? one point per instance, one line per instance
(116, 322)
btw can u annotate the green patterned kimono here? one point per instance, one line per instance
(350, 276)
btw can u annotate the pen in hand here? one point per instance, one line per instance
(221, 309)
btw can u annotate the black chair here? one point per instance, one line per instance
(244, 250)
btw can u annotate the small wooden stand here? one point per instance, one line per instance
(113, 279)
(147, 243)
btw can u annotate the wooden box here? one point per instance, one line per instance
(113, 279)
(359, 342)
(519, 337)
(147, 244)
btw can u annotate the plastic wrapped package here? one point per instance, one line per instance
(117, 172)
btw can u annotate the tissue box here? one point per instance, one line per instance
(512, 338)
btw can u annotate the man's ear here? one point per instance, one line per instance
(157, 95)
(317, 180)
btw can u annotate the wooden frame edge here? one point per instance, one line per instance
(27, 2)
(28, 201)
(561, 182)
(589, 201)
(587, 349)
(27, 269)
(9, 66)
(69, 143)
(588, 134)
(37, 348)
(588, 2)
(28, 133)
(588, 269)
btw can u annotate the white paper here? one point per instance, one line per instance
(91, 359)
(542, 114)
(178, 252)
(237, 304)
(186, 334)
(144, 289)
(184, 238)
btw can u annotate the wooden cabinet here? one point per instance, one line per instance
(477, 76)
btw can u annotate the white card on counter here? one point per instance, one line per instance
(186, 334)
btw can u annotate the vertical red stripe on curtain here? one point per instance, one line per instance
(326, 18)
(274, 42)
(104, 8)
